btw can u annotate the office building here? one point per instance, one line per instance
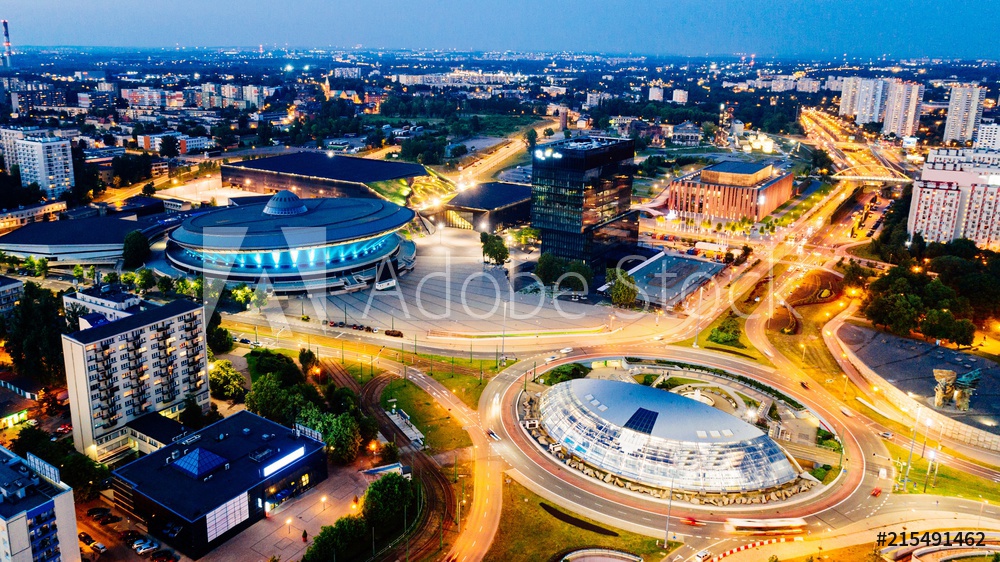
(730, 191)
(679, 96)
(655, 94)
(988, 136)
(11, 290)
(46, 161)
(148, 360)
(581, 197)
(37, 517)
(902, 108)
(206, 488)
(965, 111)
(958, 196)
(486, 207)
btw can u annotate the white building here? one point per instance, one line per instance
(863, 98)
(988, 136)
(148, 361)
(902, 108)
(10, 135)
(965, 111)
(37, 517)
(349, 72)
(679, 96)
(807, 85)
(47, 161)
(655, 93)
(958, 196)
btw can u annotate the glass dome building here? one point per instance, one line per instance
(661, 439)
(296, 245)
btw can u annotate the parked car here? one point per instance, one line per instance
(245, 341)
(99, 547)
(702, 556)
(146, 548)
(130, 536)
(109, 519)
(64, 428)
(162, 556)
(394, 333)
(97, 512)
(86, 539)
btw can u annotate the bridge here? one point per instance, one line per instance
(872, 172)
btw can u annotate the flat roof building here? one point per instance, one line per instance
(487, 207)
(37, 516)
(582, 197)
(207, 487)
(46, 161)
(116, 371)
(730, 191)
(11, 290)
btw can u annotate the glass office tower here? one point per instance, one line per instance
(581, 198)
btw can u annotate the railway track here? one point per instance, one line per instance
(439, 515)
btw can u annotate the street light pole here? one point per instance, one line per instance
(670, 504)
(930, 462)
(913, 441)
(503, 333)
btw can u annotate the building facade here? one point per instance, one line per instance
(9, 137)
(958, 196)
(41, 212)
(965, 111)
(11, 290)
(730, 191)
(46, 161)
(864, 99)
(581, 197)
(988, 137)
(117, 371)
(37, 517)
(902, 108)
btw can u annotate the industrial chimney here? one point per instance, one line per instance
(6, 46)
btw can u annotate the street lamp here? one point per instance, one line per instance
(323, 499)
(930, 462)
(289, 523)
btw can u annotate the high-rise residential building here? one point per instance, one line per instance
(958, 196)
(148, 360)
(849, 95)
(863, 98)
(37, 516)
(47, 161)
(988, 136)
(902, 108)
(26, 100)
(965, 111)
(679, 96)
(9, 137)
(655, 93)
(581, 197)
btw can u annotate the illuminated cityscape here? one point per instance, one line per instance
(592, 282)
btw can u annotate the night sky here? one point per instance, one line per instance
(817, 28)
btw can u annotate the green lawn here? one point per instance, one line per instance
(951, 482)
(748, 351)
(441, 431)
(856, 553)
(527, 532)
(864, 252)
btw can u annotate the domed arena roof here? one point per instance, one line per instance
(283, 204)
(662, 439)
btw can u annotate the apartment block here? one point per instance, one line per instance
(47, 161)
(965, 111)
(902, 108)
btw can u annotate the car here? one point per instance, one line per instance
(804, 384)
(394, 333)
(374, 330)
(99, 547)
(256, 344)
(130, 536)
(141, 541)
(492, 434)
(691, 521)
(886, 435)
(702, 556)
(85, 539)
(162, 556)
(245, 341)
(109, 519)
(566, 350)
(32, 423)
(64, 428)
(657, 338)
(876, 492)
(146, 548)
(550, 358)
(98, 512)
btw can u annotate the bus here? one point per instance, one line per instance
(789, 526)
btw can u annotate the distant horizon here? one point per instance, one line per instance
(793, 29)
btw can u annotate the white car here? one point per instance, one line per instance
(566, 350)
(550, 358)
(702, 556)
(146, 548)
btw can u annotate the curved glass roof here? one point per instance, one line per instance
(284, 203)
(661, 439)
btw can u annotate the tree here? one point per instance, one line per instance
(389, 453)
(242, 294)
(938, 324)
(92, 273)
(135, 249)
(963, 332)
(270, 399)
(169, 147)
(384, 501)
(219, 339)
(581, 276)
(149, 189)
(531, 139)
(78, 272)
(727, 333)
(494, 248)
(308, 360)
(344, 438)
(34, 335)
(165, 284)
(821, 161)
(225, 382)
(259, 299)
(337, 540)
(548, 268)
(42, 267)
(145, 279)
(623, 289)
(548, 132)
(192, 416)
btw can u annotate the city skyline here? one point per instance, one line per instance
(851, 29)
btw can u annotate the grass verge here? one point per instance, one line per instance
(951, 482)
(528, 532)
(441, 431)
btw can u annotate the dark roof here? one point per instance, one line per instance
(737, 167)
(133, 322)
(242, 441)
(84, 232)
(335, 220)
(492, 195)
(155, 426)
(4, 281)
(340, 168)
(12, 402)
(27, 384)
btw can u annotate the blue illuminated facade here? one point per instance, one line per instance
(296, 245)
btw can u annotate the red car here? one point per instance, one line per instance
(64, 428)
(876, 492)
(691, 521)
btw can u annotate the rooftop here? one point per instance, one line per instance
(340, 168)
(5, 281)
(12, 402)
(17, 478)
(134, 322)
(492, 195)
(108, 231)
(160, 428)
(730, 167)
(215, 464)
(658, 413)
